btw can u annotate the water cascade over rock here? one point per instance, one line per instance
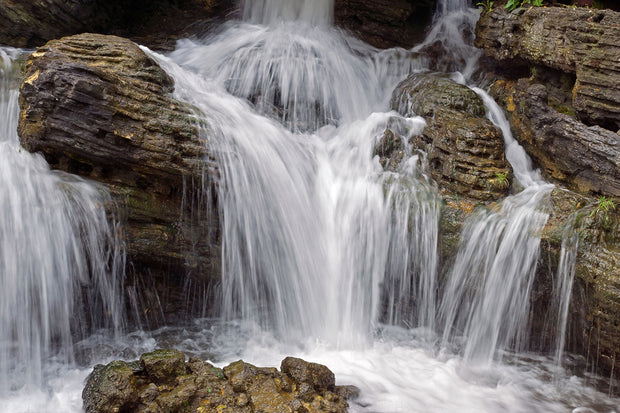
(362, 223)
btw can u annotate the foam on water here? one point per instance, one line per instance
(325, 255)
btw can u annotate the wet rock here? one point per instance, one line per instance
(585, 42)
(110, 388)
(595, 299)
(465, 150)
(99, 107)
(317, 375)
(158, 23)
(163, 366)
(390, 151)
(167, 383)
(583, 158)
(385, 23)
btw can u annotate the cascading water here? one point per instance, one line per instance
(327, 256)
(54, 241)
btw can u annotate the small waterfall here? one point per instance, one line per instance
(55, 241)
(411, 273)
(269, 12)
(486, 301)
(562, 288)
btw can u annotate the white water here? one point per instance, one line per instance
(54, 241)
(316, 234)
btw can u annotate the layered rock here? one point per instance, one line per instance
(583, 158)
(31, 23)
(585, 42)
(100, 107)
(385, 23)
(566, 114)
(164, 381)
(465, 150)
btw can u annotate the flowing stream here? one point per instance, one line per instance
(325, 255)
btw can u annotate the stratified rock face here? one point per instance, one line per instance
(31, 23)
(163, 382)
(385, 23)
(581, 41)
(28, 23)
(465, 150)
(584, 158)
(98, 106)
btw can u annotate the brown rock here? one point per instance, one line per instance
(465, 150)
(585, 42)
(98, 106)
(385, 23)
(584, 158)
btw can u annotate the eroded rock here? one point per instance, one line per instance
(163, 383)
(583, 158)
(465, 150)
(98, 106)
(582, 41)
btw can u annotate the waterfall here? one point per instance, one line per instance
(54, 241)
(269, 12)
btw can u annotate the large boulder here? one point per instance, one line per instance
(163, 381)
(465, 150)
(98, 106)
(580, 41)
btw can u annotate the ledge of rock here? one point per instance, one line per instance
(465, 150)
(99, 107)
(584, 42)
(164, 381)
(583, 158)
(31, 23)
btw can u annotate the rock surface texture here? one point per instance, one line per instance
(583, 158)
(585, 42)
(162, 381)
(465, 150)
(31, 23)
(98, 106)
(566, 115)
(385, 23)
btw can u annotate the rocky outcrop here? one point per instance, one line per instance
(583, 158)
(162, 381)
(585, 42)
(385, 23)
(100, 107)
(31, 23)
(465, 150)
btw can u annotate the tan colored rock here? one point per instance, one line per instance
(465, 150)
(583, 158)
(99, 107)
(582, 41)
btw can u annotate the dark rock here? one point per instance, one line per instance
(110, 388)
(390, 151)
(583, 158)
(465, 150)
(163, 366)
(157, 23)
(100, 107)
(317, 375)
(582, 41)
(385, 23)
(167, 383)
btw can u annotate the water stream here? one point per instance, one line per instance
(325, 256)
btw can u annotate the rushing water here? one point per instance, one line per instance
(54, 241)
(325, 255)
